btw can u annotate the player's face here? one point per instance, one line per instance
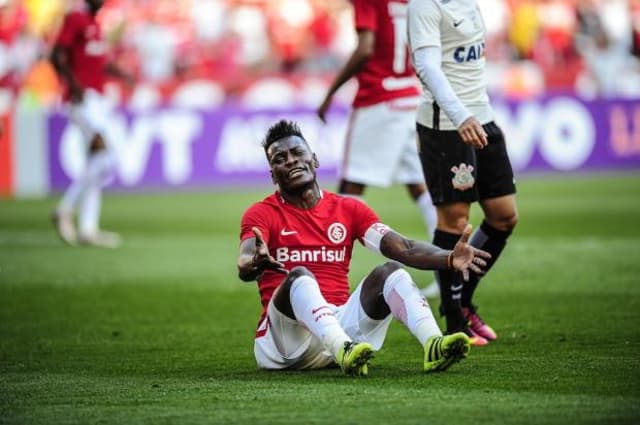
(293, 165)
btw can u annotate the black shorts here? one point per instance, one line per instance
(457, 172)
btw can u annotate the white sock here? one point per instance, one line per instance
(408, 306)
(89, 213)
(429, 213)
(73, 193)
(313, 311)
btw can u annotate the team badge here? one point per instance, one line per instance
(462, 177)
(337, 232)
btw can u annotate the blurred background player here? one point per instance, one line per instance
(462, 150)
(381, 141)
(80, 59)
(297, 244)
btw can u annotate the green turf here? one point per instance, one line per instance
(160, 331)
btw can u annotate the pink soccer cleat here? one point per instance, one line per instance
(477, 325)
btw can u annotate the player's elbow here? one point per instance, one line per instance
(246, 276)
(245, 273)
(365, 52)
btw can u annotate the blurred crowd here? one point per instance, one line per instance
(227, 46)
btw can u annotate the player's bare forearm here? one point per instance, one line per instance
(419, 255)
(354, 64)
(360, 56)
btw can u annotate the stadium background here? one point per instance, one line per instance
(211, 74)
(160, 330)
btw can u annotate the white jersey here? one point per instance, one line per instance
(457, 28)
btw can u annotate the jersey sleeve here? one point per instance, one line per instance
(69, 31)
(255, 216)
(363, 217)
(364, 14)
(423, 24)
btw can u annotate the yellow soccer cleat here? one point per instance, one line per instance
(440, 352)
(354, 357)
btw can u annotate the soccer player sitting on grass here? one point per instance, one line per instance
(298, 242)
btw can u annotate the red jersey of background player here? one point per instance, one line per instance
(82, 37)
(320, 239)
(388, 73)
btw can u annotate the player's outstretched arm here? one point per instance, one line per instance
(426, 256)
(254, 258)
(360, 56)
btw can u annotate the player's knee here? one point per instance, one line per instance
(454, 223)
(383, 271)
(453, 218)
(374, 283)
(511, 221)
(300, 271)
(505, 222)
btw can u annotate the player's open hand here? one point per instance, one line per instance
(467, 257)
(261, 258)
(472, 133)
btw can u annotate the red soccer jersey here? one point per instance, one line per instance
(320, 239)
(388, 73)
(81, 35)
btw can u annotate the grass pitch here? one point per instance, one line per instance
(160, 331)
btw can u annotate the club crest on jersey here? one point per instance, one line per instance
(462, 177)
(337, 233)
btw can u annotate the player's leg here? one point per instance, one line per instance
(349, 188)
(448, 166)
(91, 117)
(64, 212)
(498, 201)
(388, 291)
(452, 219)
(99, 168)
(299, 298)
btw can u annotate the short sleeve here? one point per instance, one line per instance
(70, 27)
(364, 14)
(255, 216)
(423, 24)
(363, 217)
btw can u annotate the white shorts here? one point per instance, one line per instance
(287, 344)
(381, 145)
(92, 115)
